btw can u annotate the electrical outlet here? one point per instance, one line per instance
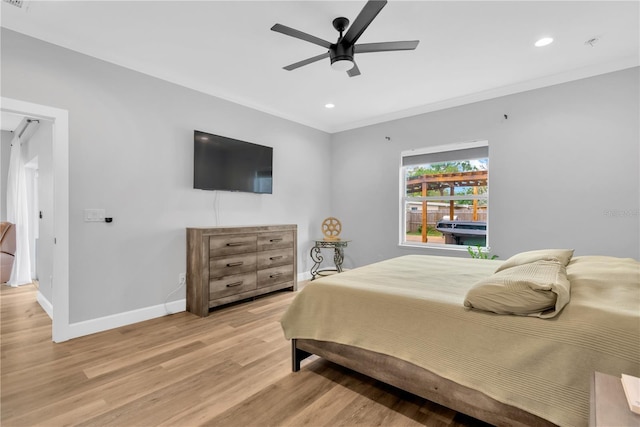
(182, 278)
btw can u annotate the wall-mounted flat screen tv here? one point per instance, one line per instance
(226, 164)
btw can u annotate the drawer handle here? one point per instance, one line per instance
(273, 258)
(235, 264)
(235, 244)
(274, 275)
(275, 240)
(234, 284)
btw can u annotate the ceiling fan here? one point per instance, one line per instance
(342, 51)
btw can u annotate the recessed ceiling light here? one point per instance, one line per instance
(329, 105)
(543, 42)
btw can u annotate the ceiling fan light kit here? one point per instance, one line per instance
(341, 53)
(345, 64)
(341, 57)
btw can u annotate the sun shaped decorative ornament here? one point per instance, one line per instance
(331, 228)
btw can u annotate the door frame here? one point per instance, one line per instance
(60, 330)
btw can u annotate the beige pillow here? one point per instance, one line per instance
(540, 288)
(561, 255)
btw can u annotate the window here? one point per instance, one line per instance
(445, 196)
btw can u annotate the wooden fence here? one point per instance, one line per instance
(414, 219)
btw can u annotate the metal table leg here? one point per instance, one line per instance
(317, 258)
(338, 258)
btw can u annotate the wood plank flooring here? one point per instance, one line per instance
(229, 369)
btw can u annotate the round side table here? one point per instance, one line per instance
(338, 256)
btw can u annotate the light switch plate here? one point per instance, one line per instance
(94, 215)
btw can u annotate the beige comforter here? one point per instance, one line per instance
(412, 308)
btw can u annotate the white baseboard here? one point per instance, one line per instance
(45, 304)
(88, 327)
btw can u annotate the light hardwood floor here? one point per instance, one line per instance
(229, 369)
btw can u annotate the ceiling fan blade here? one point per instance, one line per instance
(279, 28)
(385, 46)
(355, 71)
(366, 15)
(306, 61)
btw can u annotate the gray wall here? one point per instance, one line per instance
(131, 153)
(564, 170)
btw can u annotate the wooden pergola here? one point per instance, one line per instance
(443, 181)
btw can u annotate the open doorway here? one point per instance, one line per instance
(59, 216)
(36, 150)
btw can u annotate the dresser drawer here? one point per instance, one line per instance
(231, 285)
(275, 275)
(232, 264)
(234, 244)
(275, 240)
(275, 258)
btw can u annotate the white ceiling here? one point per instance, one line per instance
(468, 51)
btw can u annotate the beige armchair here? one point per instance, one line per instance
(7, 250)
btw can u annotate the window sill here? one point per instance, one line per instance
(439, 246)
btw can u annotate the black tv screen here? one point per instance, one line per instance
(221, 163)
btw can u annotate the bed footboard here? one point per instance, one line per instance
(418, 381)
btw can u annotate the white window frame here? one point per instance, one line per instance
(403, 199)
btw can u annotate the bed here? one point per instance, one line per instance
(403, 321)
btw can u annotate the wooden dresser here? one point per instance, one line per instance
(227, 264)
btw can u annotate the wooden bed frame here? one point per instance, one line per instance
(416, 380)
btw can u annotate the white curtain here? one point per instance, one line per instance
(17, 203)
